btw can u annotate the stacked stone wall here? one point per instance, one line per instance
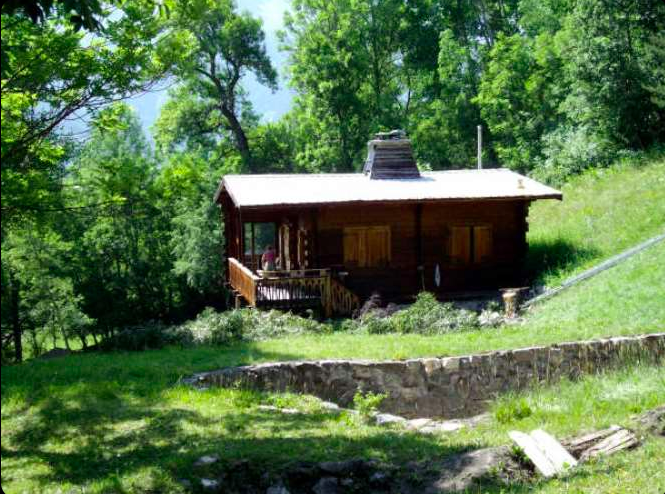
(442, 387)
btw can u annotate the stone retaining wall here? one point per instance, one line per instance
(441, 387)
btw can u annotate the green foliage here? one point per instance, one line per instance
(428, 316)
(51, 73)
(224, 328)
(367, 404)
(209, 47)
(569, 151)
(47, 303)
(511, 409)
(342, 66)
(610, 47)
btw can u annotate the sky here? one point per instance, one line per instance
(269, 105)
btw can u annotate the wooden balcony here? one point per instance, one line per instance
(292, 290)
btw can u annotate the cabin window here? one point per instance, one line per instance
(367, 247)
(257, 237)
(470, 244)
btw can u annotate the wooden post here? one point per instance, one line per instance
(253, 254)
(420, 269)
(327, 296)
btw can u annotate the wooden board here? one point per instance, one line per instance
(546, 453)
(535, 454)
(556, 453)
(621, 439)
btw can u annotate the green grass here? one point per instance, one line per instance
(627, 299)
(604, 211)
(120, 423)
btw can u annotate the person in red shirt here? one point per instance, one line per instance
(268, 258)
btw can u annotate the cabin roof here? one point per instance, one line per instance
(340, 188)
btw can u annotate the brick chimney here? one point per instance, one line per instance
(389, 156)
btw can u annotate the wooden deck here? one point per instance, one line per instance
(295, 289)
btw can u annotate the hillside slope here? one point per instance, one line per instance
(604, 212)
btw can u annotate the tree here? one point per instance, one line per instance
(344, 65)
(122, 250)
(444, 130)
(519, 96)
(81, 13)
(51, 74)
(42, 299)
(209, 48)
(611, 43)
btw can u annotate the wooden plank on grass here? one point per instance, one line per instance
(557, 454)
(533, 451)
(579, 444)
(620, 440)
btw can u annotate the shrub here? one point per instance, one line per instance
(569, 151)
(512, 409)
(367, 404)
(428, 316)
(223, 328)
(373, 323)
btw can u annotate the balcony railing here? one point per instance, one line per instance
(294, 289)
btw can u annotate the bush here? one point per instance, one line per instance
(428, 316)
(569, 151)
(223, 328)
(511, 409)
(367, 404)
(425, 316)
(373, 323)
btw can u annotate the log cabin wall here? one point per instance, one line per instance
(504, 265)
(399, 277)
(505, 220)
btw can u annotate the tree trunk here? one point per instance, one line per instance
(16, 320)
(84, 340)
(64, 336)
(240, 137)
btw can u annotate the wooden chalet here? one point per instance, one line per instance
(391, 228)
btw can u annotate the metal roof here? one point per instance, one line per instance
(340, 188)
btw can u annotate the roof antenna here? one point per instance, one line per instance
(480, 147)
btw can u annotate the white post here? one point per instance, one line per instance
(480, 147)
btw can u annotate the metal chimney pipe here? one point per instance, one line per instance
(480, 147)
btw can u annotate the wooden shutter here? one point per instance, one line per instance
(367, 246)
(460, 244)
(378, 246)
(354, 247)
(482, 243)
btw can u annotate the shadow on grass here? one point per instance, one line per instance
(103, 422)
(97, 420)
(90, 437)
(555, 257)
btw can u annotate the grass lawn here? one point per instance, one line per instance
(604, 212)
(120, 423)
(627, 299)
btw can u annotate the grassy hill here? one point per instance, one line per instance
(604, 212)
